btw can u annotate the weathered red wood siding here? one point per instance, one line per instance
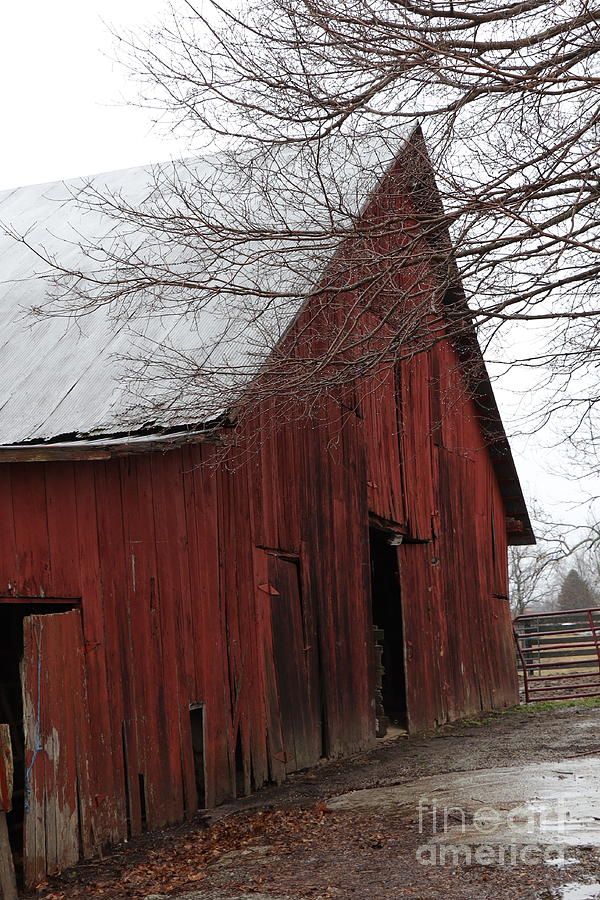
(191, 576)
(453, 559)
(60, 824)
(173, 560)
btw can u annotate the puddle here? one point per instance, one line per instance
(559, 862)
(575, 890)
(544, 803)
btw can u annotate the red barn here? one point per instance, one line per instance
(182, 624)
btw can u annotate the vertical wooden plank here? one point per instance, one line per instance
(90, 843)
(8, 557)
(269, 689)
(347, 637)
(321, 564)
(117, 650)
(170, 548)
(233, 661)
(358, 575)
(64, 577)
(180, 481)
(416, 445)
(198, 640)
(34, 826)
(6, 769)
(132, 698)
(382, 443)
(267, 531)
(286, 486)
(31, 529)
(256, 711)
(105, 782)
(144, 604)
(210, 635)
(234, 569)
(8, 881)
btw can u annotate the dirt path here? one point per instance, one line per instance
(297, 842)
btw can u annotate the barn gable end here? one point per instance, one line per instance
(227, 613)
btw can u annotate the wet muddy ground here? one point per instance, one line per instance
(517, 815)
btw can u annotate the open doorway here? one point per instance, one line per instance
(12, 615)
(388, 634)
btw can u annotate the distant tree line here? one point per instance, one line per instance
(560, 571)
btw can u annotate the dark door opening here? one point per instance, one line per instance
(388, 634)
(11, 706)
(197, 728)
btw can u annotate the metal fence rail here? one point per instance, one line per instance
(559, 654)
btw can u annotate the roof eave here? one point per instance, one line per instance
(107, 448)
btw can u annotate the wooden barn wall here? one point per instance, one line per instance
(242, 587)
(453, 560)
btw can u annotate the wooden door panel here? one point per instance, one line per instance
(295, 656)
(57, 824)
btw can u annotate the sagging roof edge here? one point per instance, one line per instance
(109, 447)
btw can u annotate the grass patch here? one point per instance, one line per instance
(530, 709)
(545, 705)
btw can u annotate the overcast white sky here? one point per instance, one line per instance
(62, 96)
(63, 114)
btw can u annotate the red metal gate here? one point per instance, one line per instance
(559, 654)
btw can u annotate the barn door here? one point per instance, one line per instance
(386, 599)
(55, 716)
(295, 654)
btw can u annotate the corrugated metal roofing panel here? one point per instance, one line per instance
(89, 375)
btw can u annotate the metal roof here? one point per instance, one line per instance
(99, 374)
